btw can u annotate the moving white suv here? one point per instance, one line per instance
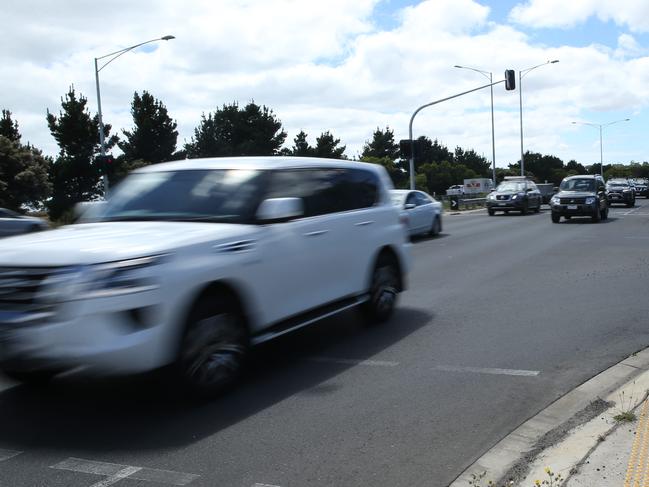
(191, 262)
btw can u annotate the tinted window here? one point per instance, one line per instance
(326, 190)
(412, 199)
(422, 199)
(230, 195)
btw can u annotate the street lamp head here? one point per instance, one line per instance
(627, 119)
(554, 61)
(167, 38)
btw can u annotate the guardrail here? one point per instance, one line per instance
(463, 203)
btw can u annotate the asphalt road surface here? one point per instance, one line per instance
(503, 315)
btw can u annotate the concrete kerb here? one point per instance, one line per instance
(546, 437)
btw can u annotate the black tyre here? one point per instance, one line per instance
(214, 347)
(490, 212)
(436, 227)
(556, 217)
(524, 209)
(33, 378)
(538, 208)
(383, 290)
(630, 204)
(568, 217)
(597, 216)
(604, 213)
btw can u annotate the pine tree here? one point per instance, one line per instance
(73, 175)
(382, 145)
(328, 146)
(231, 131)
(153, 138)
(9, 128)
(23, 175)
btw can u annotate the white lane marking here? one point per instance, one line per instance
(116, 472)
(7, 454)
(346, 361)
(639, 238)
(113, 479)
(265, 485)
(488, 370)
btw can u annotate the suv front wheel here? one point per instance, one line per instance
(214, 347)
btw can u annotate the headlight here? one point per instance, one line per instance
(515, 196)
(491, 197)
(590, 200)
(101, 280)
(555, 200)
(626, 190)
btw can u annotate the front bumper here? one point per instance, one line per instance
(107, 336)
(506, 205)
(574, 209)
(620, 198)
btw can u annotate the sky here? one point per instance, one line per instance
(348, 67)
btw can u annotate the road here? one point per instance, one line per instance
(503, 315)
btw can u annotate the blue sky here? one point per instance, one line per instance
(348, 67)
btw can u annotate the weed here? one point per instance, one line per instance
(625, 417)
(554, 479)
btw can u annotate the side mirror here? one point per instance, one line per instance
(275, 210)
(409, 206)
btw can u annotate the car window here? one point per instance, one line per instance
(422, 199)
(578, 184)
(326, 190)
(411, 199)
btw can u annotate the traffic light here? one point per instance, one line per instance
(510, 79)
(105, 164)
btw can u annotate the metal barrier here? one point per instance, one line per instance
(457, 203)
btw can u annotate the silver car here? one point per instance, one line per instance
(11, 223)
(423, 212)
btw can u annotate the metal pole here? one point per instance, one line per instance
(601, 154)
(493, 136)
(412, 143)
(102, 147)
(520, 97)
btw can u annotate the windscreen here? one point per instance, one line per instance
(577, 185)
(224, 195)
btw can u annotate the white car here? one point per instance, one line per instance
(189, 263)
(422, 212)
(11, 223)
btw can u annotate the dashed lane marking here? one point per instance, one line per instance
(115, 472)
(488, 370)
(265, 485)
(345, 361)
(7, 454)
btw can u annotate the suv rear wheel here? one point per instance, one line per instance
(436, 227)
(214, 347)
(597, 216)
(556, 217)
(383, 290)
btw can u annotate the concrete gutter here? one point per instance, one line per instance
(570, 424)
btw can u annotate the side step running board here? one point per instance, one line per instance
(306, 319)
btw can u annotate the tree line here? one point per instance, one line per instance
(31, 180)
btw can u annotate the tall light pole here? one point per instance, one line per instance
(601, 150)
(489, 76)
(112, 56)
(522, 73)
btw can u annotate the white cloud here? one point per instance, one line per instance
(558, 13)
(319, 65)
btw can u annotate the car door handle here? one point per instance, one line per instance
(362, 224)
(315, 233)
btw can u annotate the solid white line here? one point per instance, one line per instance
(488, 370)
(113, 479)
(7, 454)
(345, 361)
(265, 485)
(640, 238)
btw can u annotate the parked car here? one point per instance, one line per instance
(12, 223)
(580, 196)
(455, 190)
(190, 263)
(514, 195)
(422, 212)
(620, 191)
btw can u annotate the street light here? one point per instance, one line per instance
(601, 151)
(520, 95)
(489, 76)
(113, 56)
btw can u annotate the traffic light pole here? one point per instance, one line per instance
(412, 142)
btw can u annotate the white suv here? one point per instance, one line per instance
(190, 262)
